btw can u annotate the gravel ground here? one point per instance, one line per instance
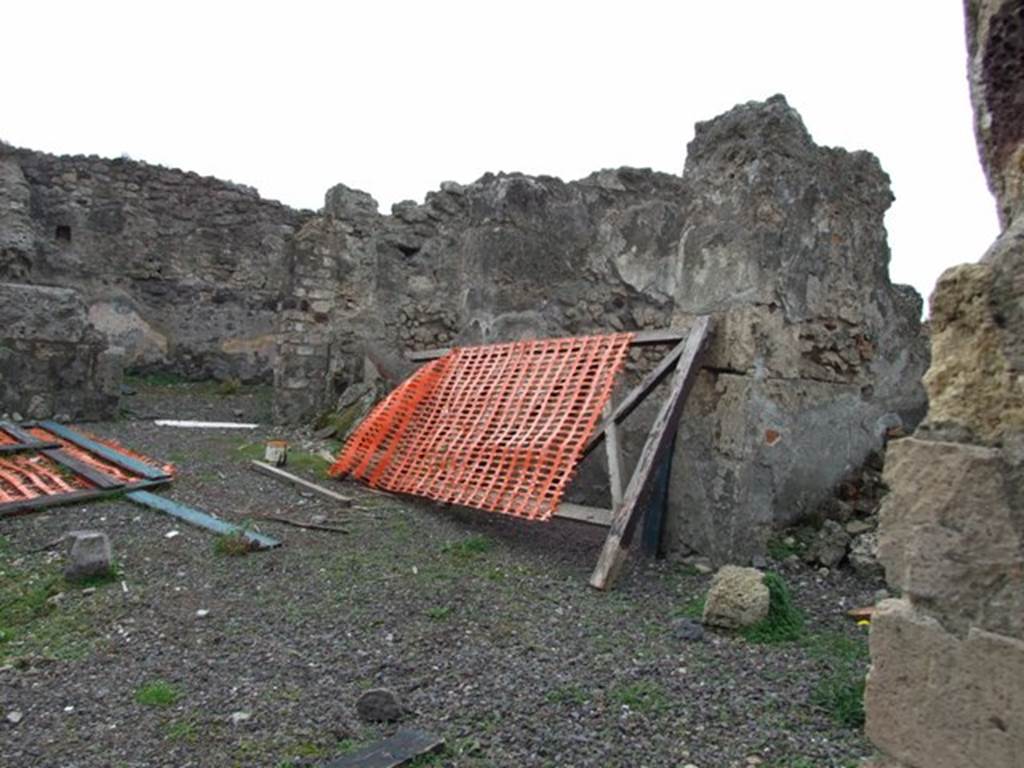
(485, 626)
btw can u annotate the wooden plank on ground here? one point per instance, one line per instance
(656, 336)
(626, 517)
(198, 518)
(104, 452)
(18, 447)
(404, 746)
(288, 477)
(584, 514)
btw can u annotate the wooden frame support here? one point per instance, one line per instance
(626, 516)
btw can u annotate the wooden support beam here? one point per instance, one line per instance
(656, 336)
(626, 517)
(614, 455)
(584, 514)
(288, 477)
(25, 506)
(198, 518)
(105, 452)
(636, 395)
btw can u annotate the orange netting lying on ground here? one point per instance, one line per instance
(499, 427)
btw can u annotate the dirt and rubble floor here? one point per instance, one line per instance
(484, 625)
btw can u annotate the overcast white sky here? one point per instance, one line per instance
(395, 97)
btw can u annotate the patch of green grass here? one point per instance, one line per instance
(779, 549)
(229, 386)
(439, 612)
(641, 696)
(298, 461)
(155, 379)
(33, 625)
(157, 693)
(693, 609)
(841, 691)
(470, 548)
(182, 730)
(232, 545)
(784, 622)
(567, 694)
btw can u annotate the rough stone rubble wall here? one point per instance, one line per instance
(181, 271)
(52, 361)
(816, 355)
(946, 688)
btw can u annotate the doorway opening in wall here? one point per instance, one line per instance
(63, 233)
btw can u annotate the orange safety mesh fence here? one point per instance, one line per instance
(499, 427)
(28, 476)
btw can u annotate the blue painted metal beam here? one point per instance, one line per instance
(103, 451)
(201, 519)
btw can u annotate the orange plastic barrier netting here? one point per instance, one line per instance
(499, 427)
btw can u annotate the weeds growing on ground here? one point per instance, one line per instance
(841, 691)
(784, 622)
(470, 548)
(641, 696)
(233, 545)
(157, 693)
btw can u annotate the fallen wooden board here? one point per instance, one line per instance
(584, 514)
(300, 524)
(204, 424)
(657, 336)
(198, 518)
(626, 517)
(404, 746)
(288, 477)
(25, 506)
(862, 614)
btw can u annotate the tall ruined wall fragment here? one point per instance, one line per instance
(816, 353)
(181, 271)
(946, 688)
(53, 362)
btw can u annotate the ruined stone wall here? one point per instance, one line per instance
(52, 361)
(816, 353)
(946, 688)
(183, 272)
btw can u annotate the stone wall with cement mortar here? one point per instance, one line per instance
(946, 688)
(53, 362)
(816, 353)
(183, 272)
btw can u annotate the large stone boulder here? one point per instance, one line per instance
(737, 598)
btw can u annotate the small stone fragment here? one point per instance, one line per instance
(90, 556)
(829, 546)
(864, 556)
(202, 613)
(688, 630)
(379, 705)
(14, 717)
(737, 598)
(237, 718)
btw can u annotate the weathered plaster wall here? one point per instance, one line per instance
(184, 272)
(52, 361)
(946, 688)
(816, 352)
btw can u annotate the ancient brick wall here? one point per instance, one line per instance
(183, 272)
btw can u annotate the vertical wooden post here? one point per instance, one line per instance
(611, 434)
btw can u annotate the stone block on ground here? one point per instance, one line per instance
(829, 545)
(380, 705)
(738, 598)
(90, 556)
